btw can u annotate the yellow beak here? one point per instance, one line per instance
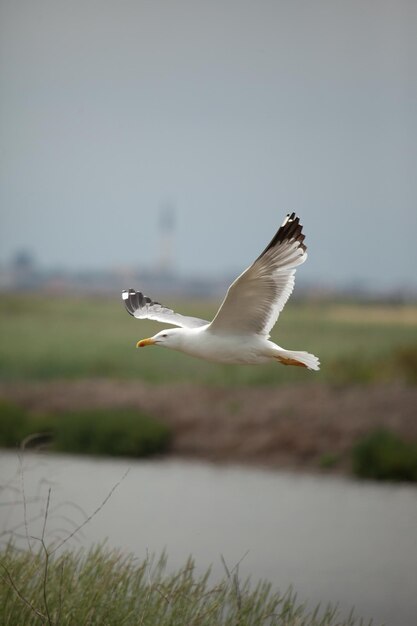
(145, 342)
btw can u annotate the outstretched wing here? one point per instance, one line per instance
(256, 298)
(142, 307)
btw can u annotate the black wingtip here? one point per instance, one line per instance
(135, 300)
(129, 299)
(291, 229)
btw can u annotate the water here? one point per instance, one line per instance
(333, 539)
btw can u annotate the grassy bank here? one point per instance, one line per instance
(104, 587)
(112, 432)
(383, 455)
(46, 337)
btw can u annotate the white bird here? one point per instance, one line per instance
(239, 332)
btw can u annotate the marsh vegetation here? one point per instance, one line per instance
(103, 586)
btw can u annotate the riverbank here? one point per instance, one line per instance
(309, 427)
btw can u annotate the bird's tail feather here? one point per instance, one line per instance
(300, 359)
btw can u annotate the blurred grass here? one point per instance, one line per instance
(106, 587)
(383, 455)
(115, 432)
(51, 337)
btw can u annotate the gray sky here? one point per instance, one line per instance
(235, 111)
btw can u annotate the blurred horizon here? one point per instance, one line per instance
(232, 114)
(22, 273)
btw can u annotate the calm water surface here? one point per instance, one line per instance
(335, 540)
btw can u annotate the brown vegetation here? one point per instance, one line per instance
(291, 426)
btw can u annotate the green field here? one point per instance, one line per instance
(49, 337)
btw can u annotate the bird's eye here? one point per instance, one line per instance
(164, 335)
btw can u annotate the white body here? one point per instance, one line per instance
(203, 343)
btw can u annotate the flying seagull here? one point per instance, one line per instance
(239, 332)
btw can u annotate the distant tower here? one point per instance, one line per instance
(166, 238)
(23, 270)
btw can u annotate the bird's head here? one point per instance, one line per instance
(169, 338)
